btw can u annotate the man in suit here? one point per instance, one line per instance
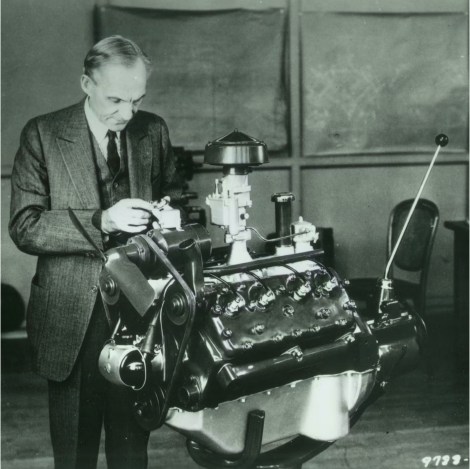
(106, 160)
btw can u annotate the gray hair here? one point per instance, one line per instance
(115, 49)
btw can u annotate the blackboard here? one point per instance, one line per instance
(214, 71)
(383, 83)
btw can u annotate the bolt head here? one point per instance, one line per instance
(109, 286)
(278, 337)
(227, 333)
(232, 307)
(323, 313)
(350, 305)
(259, 328)
(288, 310)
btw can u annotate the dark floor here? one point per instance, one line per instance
(422, 415)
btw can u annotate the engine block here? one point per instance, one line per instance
(240, 353)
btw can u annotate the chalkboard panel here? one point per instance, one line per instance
(214, 71)
(390, 83)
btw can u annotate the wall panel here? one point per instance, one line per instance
(208, 79)
(43, 47)
(379, 83)
(17, 268)
(357, 203)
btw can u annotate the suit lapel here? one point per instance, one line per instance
(139, 151)
(75, 146)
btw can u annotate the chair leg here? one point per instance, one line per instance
(428, 359)
(430, 368)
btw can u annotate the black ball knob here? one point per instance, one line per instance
(442, 140)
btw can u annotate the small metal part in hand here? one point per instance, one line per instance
(161, 203)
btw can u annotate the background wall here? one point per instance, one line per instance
(44, 43)
(43, 46)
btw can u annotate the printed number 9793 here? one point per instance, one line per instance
(442, 460)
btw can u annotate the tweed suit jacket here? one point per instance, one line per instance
(55, 169)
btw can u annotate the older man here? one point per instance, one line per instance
(104, 159)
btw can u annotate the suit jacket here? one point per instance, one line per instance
(55, 169)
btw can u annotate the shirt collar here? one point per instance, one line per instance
(98, 129)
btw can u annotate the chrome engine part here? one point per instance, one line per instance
(317, 408)
(238, 353)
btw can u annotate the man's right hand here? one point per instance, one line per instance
(128, 215)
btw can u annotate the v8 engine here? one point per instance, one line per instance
(259, 360)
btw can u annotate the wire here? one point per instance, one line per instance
(275, 239)
(296, 272)
(258, 279)
(266, 288)
(222, 281)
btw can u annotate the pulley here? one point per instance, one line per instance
(148, 406)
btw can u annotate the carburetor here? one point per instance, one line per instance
(242, 354)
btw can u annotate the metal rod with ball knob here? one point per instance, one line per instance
(384, 287)
(441, 141)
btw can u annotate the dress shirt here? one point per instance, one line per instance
(100, 131)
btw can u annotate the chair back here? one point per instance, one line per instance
(414, 252)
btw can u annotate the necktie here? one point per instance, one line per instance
(114, 161)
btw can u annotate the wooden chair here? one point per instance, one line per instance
(413, 255)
